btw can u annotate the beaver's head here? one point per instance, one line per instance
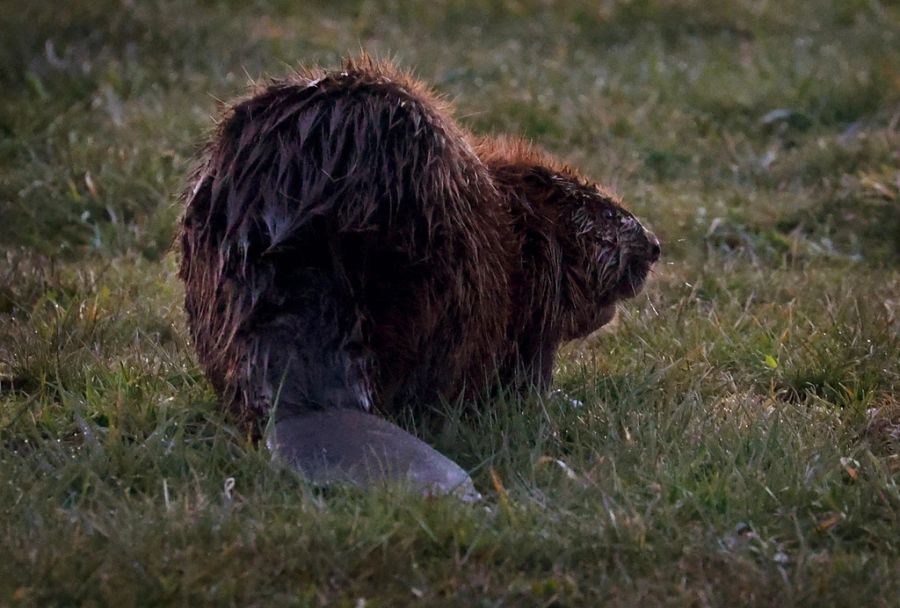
(607, 253)
(582, 250)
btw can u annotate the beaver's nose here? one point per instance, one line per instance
(653, 247)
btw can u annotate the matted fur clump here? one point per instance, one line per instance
(346, 244)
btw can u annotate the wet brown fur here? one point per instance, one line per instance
(345, 243)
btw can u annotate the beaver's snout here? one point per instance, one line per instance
(641, 242)
(641, 250)
(653, 248)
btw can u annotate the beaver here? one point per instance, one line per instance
(348, 249)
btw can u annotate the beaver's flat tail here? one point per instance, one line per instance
(349, 446)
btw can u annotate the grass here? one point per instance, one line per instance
(739, 442)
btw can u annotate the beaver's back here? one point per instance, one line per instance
(356, 187)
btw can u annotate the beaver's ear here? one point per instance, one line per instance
(540, 176)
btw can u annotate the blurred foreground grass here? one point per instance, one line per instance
(739, 442)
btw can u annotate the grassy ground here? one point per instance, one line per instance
(739, 442)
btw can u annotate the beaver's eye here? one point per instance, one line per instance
(609, 214)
